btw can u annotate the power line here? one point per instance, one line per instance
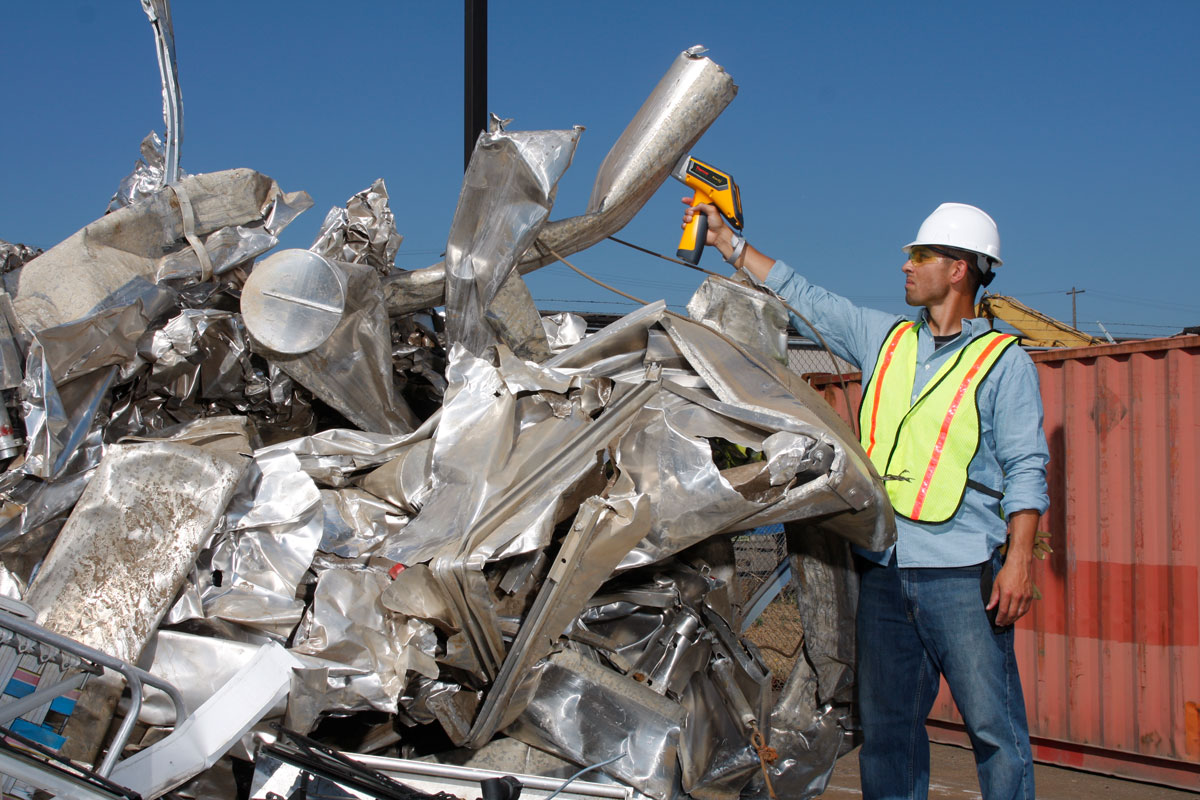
(1143, 325)
(1147, 301)
(1018, 293)
(556, 269)
(574, 301)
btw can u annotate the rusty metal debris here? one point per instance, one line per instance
(292, 468)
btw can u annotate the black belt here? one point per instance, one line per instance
(989, 491)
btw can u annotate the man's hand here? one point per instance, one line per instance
(719, 234)
(1012, 590)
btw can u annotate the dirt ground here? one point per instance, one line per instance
(952, 777)
(778, 633)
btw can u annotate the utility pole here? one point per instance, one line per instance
(1074, 292)
(474, 74)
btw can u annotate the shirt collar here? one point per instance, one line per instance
(972, 326)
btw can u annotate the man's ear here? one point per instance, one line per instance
(959, 272)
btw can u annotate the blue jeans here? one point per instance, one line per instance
(915, 625)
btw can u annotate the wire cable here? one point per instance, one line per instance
(586, 770)
(679, 261)
(541, 245)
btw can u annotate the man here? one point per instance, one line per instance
(952, 419)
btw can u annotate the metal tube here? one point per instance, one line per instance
(404, 768)
(122, 736)
(159, 12)
(722, 674)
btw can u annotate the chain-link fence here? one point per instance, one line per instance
(776, 631)
(805, 357)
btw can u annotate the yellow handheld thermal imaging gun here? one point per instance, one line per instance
(709, 185)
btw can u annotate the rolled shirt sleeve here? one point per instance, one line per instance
(852, 332)
(1020, 440)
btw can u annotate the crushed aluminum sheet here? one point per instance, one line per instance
(271, 531)
(129, 243)
(364, 232)
(13, 255)
(506, 196)
(564, 330)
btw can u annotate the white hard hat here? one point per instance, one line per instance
(963, 227)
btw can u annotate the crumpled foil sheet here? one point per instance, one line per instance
(269, 536)
(564, 330)
(14, 255)
(364, 232)
(148, 175)
(489, 523)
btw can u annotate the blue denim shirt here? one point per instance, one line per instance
(1012, 451)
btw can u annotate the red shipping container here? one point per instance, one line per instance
(1110, 656)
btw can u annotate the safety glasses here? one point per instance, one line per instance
(926, 253)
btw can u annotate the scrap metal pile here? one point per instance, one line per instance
(292, 488)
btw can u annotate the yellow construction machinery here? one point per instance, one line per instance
(1036, 329)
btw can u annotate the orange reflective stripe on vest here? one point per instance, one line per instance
(885, 361)
(926, 445)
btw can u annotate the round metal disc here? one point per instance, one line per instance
(293, 300)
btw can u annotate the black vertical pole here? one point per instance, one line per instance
(474, 74)
(1073, 293)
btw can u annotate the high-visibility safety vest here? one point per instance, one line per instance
(923, 447)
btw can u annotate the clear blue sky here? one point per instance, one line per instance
(1075, 124)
